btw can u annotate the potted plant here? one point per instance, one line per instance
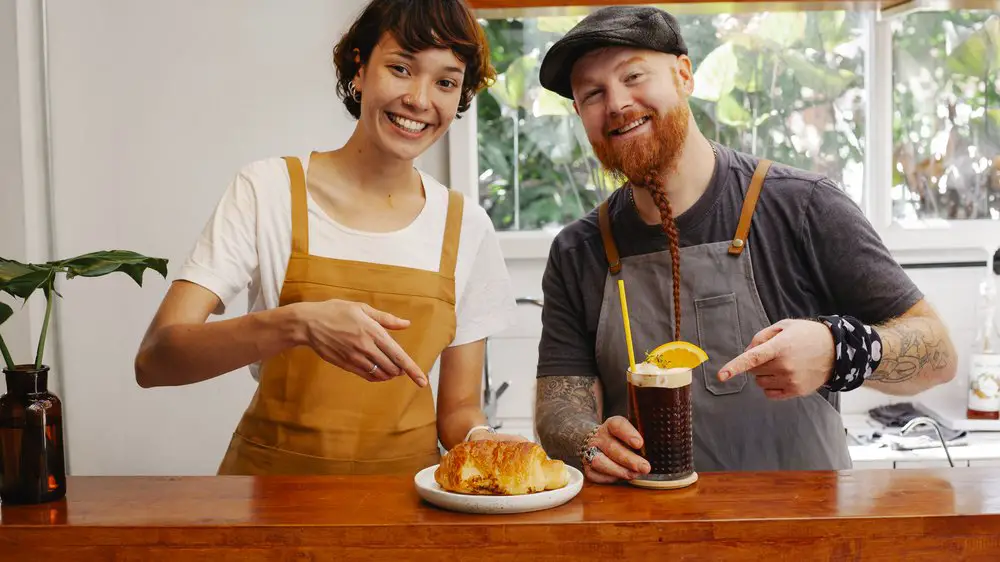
(32, 452)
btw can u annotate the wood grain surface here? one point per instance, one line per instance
(853, 515)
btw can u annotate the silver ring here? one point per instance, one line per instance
(373, 369)
(590, 454)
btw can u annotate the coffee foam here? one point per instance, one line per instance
(648, 375)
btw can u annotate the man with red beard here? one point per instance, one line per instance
(806, 304)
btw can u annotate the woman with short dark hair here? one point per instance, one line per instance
(363, 271)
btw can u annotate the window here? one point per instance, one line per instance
(946, 118)
(901, 108)
(789, 86)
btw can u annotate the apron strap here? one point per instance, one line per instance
(300, 213)
(452, 234)
(749, 204)
(610, 250)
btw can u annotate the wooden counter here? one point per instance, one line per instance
(855, 515)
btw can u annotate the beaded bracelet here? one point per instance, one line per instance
(486, 428)
(585, 451)
(858, 352)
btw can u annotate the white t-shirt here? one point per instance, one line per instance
(247, 242)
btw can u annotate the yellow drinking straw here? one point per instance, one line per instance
(631, 363)
(628, 329)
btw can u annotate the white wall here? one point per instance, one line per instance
(12, 230)
(154, 106)
(151, 118)
(953, 292)
(24, 232)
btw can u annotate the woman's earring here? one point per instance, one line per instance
(353, 92)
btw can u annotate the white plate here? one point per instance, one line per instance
(429, 490)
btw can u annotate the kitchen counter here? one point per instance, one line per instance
(773, 516)
(977, 448)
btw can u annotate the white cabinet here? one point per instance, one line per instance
(985, 462)
(869, 464)
(930, 463)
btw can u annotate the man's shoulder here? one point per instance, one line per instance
(781, 178)
(790, 194)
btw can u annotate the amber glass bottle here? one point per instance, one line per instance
(32, 456)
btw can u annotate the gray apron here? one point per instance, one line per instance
(736, 427)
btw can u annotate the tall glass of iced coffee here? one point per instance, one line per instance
(660, 409)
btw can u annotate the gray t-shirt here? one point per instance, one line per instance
(813, 251)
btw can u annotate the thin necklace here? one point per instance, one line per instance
(631, 197)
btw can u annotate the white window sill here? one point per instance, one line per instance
(954, 243)
(943, 237)
(526, 245)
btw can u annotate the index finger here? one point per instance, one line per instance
(400, 357)
(764, 335)
(750, 359)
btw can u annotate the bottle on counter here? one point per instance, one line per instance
(984, 361)
(32, 453)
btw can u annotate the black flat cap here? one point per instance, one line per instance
(643, 27)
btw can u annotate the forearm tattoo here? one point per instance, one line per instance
(566, 409)
(909, 346)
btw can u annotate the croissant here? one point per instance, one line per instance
(504, 468)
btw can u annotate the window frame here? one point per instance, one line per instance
(463, 169)
(945, 238)
(908, 244)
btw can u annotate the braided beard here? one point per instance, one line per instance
(642, 160)
(652, 183)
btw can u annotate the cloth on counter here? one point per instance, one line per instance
(917, 439)
(895, 416)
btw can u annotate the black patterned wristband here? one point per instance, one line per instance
(857, 352)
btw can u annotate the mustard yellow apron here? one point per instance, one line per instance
(311, 417)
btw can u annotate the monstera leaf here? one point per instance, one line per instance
(979, 54)
(832, 81)
(716, 76)
(102, 263)
(511, 88)
(22, 279)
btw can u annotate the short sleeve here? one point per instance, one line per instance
(487, 304)
(225, 259)
(566, 347)
(850, 264)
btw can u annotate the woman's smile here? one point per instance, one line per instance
(408, 128)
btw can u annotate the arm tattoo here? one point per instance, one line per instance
(566, 408)
(909, 346)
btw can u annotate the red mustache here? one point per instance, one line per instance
(616, 123)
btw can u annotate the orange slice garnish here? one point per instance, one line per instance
(677, 354)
